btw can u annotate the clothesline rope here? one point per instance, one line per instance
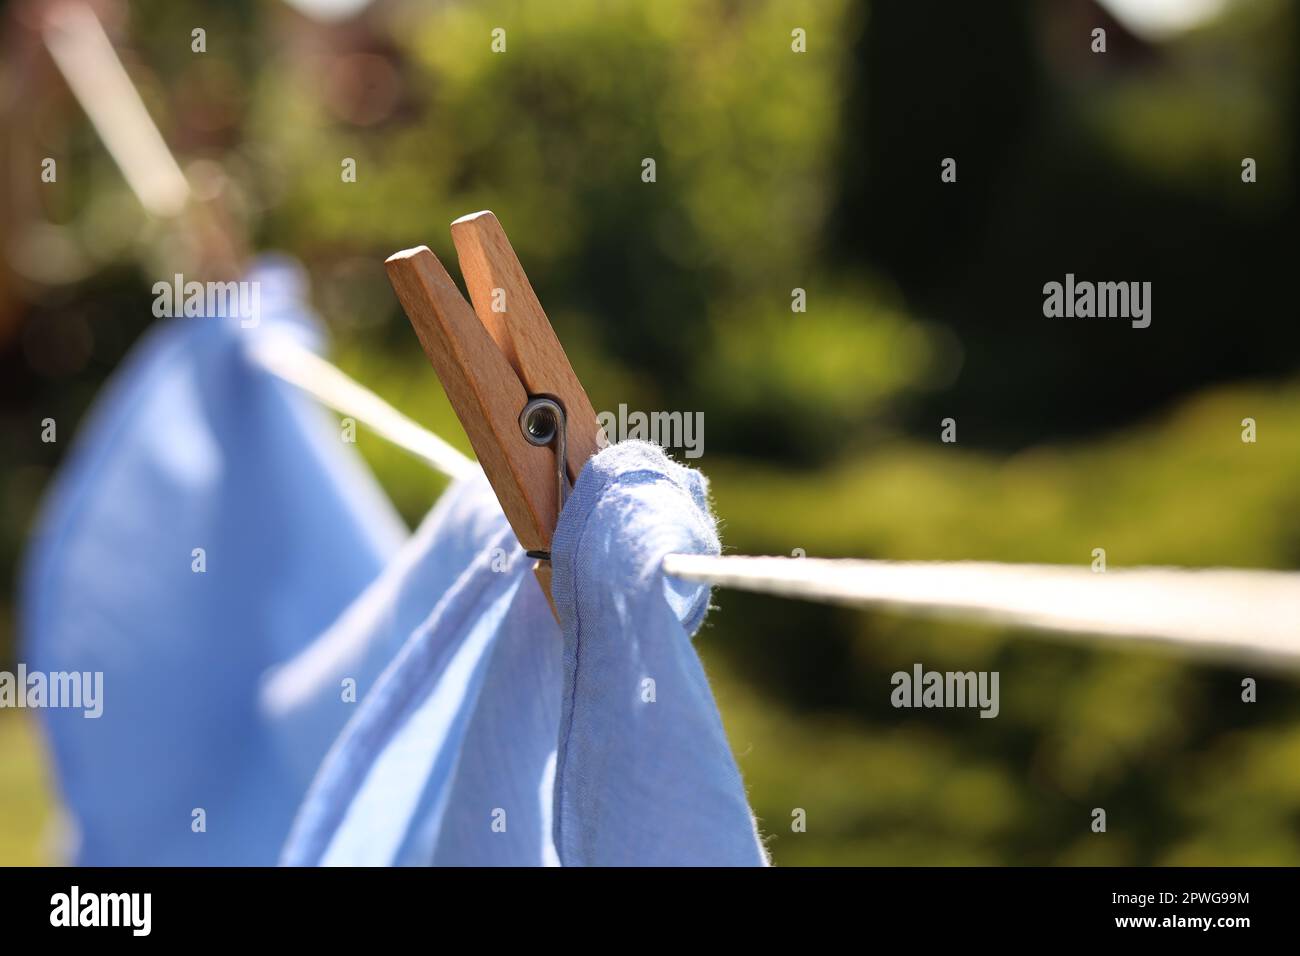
(298, 365)
(1257, 612)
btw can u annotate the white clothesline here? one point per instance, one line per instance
(1257, 612)
(302, 367)
(1252, 612)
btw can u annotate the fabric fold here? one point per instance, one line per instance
(449, 760)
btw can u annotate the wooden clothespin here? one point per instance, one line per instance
(506, 375)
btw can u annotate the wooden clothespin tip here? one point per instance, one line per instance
(408, 253)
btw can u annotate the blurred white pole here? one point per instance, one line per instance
(87, 60)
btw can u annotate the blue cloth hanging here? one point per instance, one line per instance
(208, 525)
(493, 738)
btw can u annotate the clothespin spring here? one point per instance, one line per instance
(543, 423)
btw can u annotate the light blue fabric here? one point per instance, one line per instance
(459, 732)
(644, 774)
(490, 719)
(192, 446)
(303, 693)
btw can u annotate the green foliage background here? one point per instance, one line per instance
(822, 427)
